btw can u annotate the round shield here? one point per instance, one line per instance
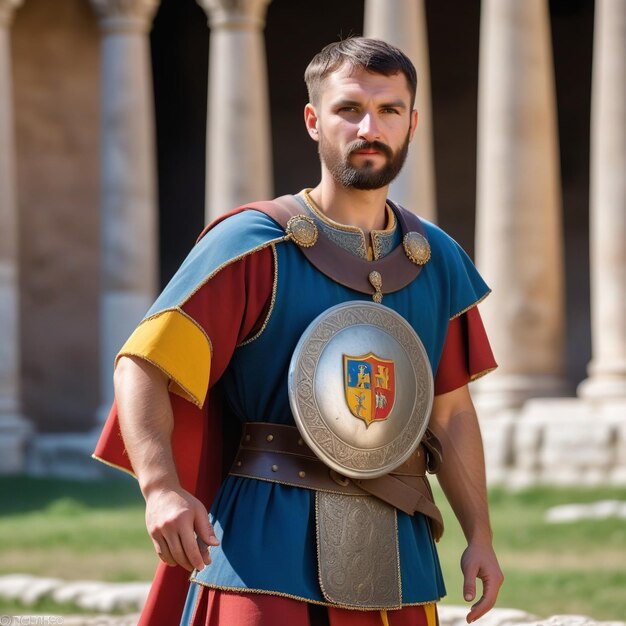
(361, 388)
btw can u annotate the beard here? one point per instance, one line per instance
(364, 177)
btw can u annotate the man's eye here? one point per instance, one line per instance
(390, 110)
(347, 109)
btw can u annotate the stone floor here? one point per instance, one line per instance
(128, 598)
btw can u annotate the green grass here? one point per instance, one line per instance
(95, 530)
(576, 568)
(74, 530)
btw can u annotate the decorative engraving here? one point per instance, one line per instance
(402, 436)
(350, 238)
(416, 247)
(376, 280)
(358, 557)
(302, 230)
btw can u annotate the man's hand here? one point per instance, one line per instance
(177, 522)
(179, 527)
(479, 561)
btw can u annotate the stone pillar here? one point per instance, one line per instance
(402, 23)
(129, 195)
(607, 369)
(14, 428)
(518, 230)
(239, 155)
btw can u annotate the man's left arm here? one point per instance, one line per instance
(462, 478)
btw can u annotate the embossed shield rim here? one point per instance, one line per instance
(295, 409)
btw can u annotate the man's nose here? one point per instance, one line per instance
(368, 128)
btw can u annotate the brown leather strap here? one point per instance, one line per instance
(396, 269)
(277, 453)
(414, 491)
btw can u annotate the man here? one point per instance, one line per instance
(215, 350)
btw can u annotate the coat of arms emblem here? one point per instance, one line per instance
(370, 386)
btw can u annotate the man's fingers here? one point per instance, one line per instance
(484, 605)
(192, 550)
(204, 530)
(177, 551)
(162, 551)
(487, 600)
(469, 583)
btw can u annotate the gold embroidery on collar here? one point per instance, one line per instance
(329, 221)
(377, 237)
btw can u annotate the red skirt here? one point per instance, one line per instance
(222, 608)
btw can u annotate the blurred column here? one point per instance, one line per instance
(607, 369)
(129, 195)
(239, 154)
(518, 231)
(14, 428)
(402, 23)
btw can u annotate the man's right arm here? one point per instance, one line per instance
(177, 522)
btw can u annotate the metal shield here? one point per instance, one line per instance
(361, 389)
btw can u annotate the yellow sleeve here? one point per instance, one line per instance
(179, 347)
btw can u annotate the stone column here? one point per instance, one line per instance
(14, 428)
(402, 23)
(129, 196)
(607, 369)
(239, 155)
(518, 230)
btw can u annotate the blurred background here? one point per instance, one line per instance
(125, 126)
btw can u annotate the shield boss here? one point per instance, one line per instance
(361, 388)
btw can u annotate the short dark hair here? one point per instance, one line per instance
(372, 55)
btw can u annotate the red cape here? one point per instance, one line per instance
(196, 445)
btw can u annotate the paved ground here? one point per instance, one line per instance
(128, 598)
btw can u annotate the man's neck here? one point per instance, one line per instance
(353, 207)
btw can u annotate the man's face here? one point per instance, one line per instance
(364, 126)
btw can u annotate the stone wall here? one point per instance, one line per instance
(557, 441)
(55, 51)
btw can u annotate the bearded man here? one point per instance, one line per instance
(277, 323)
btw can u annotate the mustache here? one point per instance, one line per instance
(362, 144)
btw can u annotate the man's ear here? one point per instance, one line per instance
(413, 124)
(311, 121)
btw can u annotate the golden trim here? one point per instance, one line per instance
(191, 397)
(243, 255)
(245, 342)
(133, 345)
(177, 308)
(328, 220)
(376, 236)
(395, 517)
(422, 254)
(391, 218)
(114, 466)
(471, 306)
(282, 594)
(482, 373)
(376, 247)
(304, 237)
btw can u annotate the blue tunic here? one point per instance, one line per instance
(267, 530)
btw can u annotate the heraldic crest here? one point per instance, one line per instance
(361, 388)
(370, 386)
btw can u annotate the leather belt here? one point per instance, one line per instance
(277, 453)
